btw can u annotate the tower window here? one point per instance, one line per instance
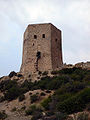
(35, 36)
(38, 54)
(56, 40)
(43, 35)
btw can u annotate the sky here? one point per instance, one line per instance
(72, 17)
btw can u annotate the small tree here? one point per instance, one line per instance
(21, 97)
(45, 103)
(34, 98)
(3, 115)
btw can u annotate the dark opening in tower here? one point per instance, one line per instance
(38, 55)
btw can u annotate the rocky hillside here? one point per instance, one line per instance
(60, 95)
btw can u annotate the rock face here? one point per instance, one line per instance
(83, 65)
(42, 48)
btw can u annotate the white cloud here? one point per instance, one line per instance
(71, 16)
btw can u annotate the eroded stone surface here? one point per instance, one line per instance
(42, 48)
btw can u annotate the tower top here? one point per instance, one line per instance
(38, 24)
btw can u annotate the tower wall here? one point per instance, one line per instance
(32, 45)
(42, 48)
(56, 48)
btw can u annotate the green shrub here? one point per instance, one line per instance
(75, 103)
(3, 115)
(42, 94)
(71, 70)
(71, 87)
(88, 107)
(37, 115)
(12, 93)
(45, 73)
(32, 110)
(45, 103)
(76, 77)
(27, 85)
(23, 107)
(63, 97)
(9, 84)
(54, 72)
(86, 78)
(3, 84)
(49, 113)
(34, 98)
(57, 81)
(2, 98)
(60, 116)
(14, 109)
(21, 97)
(42, 84)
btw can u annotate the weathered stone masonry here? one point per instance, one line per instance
(42, 48)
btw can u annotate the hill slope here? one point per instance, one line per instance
(66, 92)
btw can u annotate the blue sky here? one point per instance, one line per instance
(71, 16)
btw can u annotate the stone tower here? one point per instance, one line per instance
(42, 48)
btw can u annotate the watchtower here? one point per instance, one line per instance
(42, 48)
